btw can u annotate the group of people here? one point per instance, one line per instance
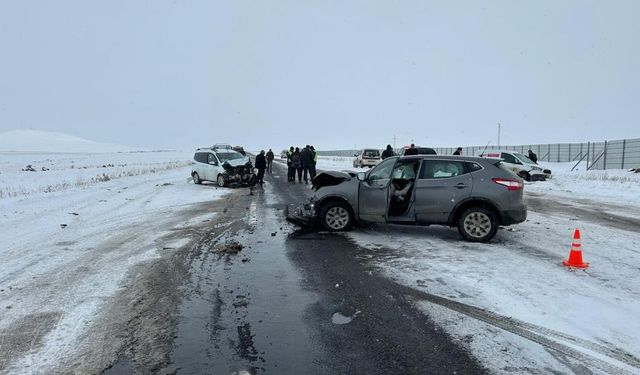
(301, 163)
(264, 162)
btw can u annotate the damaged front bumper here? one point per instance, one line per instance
(304, 215)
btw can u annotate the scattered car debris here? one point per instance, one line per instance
(273, 234)
(63, 226)
(232, 247)
(73, 213)
(28, 168)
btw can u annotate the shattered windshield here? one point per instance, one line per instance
(523, 158)
(226, 156)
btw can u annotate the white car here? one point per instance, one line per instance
(519, 164)
(223, 166)
(368, 157)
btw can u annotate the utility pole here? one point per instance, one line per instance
(499, 135)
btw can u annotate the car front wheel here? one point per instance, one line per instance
(336, 217)
(221, 180)
(478, 224)
(525, 176)
(196, 179)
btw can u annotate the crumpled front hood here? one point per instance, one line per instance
(237, 162)
(331, 178)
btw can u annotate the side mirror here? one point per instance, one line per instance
(361, 176)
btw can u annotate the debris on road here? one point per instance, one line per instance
(231, 247)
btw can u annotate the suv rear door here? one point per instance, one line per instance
(441, 185)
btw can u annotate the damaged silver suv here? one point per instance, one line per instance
(474, 194)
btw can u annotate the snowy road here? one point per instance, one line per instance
(66, 255)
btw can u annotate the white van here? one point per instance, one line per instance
(222, 165)
(368, 157)
(519, 164)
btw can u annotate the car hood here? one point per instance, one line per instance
(331, 178)
(237, 162)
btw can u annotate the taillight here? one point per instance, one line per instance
(510, 183)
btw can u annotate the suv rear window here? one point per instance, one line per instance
(433, 169)
(200, 157)
(371, 153)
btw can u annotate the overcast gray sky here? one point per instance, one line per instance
(331, 73)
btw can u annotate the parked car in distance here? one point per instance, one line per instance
(222, 165)
(519, 164)
(367, 157)
(421, 151)
(283, 154)
(476, 195)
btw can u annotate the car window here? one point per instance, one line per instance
(508, 158)
(433, 169)
(382, 171)
(371, 153)
(200, 157)
(212, 159)
(524, 158)
(225, 156)
(406, 170)
(472, 167)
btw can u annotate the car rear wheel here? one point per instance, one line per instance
(196, 179)
(221, 180)
(478, 224)
(336, 217)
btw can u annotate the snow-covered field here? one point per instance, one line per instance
(55, 172)
(511, 302)
(66, 250)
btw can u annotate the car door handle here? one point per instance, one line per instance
(461, 185)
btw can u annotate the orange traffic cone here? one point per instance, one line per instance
(575, 256)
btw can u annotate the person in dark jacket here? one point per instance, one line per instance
(290, 170)
(270, 158)
(314, 161)
(458, 151)
(305, 162)
(412, 150)
(388, 152)
(533, 156)
(296, 165)
(261, 165)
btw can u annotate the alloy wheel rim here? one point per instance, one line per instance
(477, 224)
(337, 218)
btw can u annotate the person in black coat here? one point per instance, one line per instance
(412, 150)
(533, 157)
(261, 165)
(296, 165)
(458, 151)
(305, 161)
(388, 152)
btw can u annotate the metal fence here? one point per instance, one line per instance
(616, 154)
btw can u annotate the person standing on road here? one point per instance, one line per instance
(458, 151)
(261, 165)
(388, 152)
(296, 165)
(270, 158)
(314, 161)
(305, 162)
(290, 170)
(533, 156)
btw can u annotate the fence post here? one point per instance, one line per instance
(581, 144)
(549, 153)
(605, 156)
(588, 147)
(569, 152)
(624, 146)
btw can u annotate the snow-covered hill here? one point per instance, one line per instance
(44, 141)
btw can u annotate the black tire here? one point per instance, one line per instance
(221, 180)
(525, 175)
(196, 178)
(336, 217)
(478, 224)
